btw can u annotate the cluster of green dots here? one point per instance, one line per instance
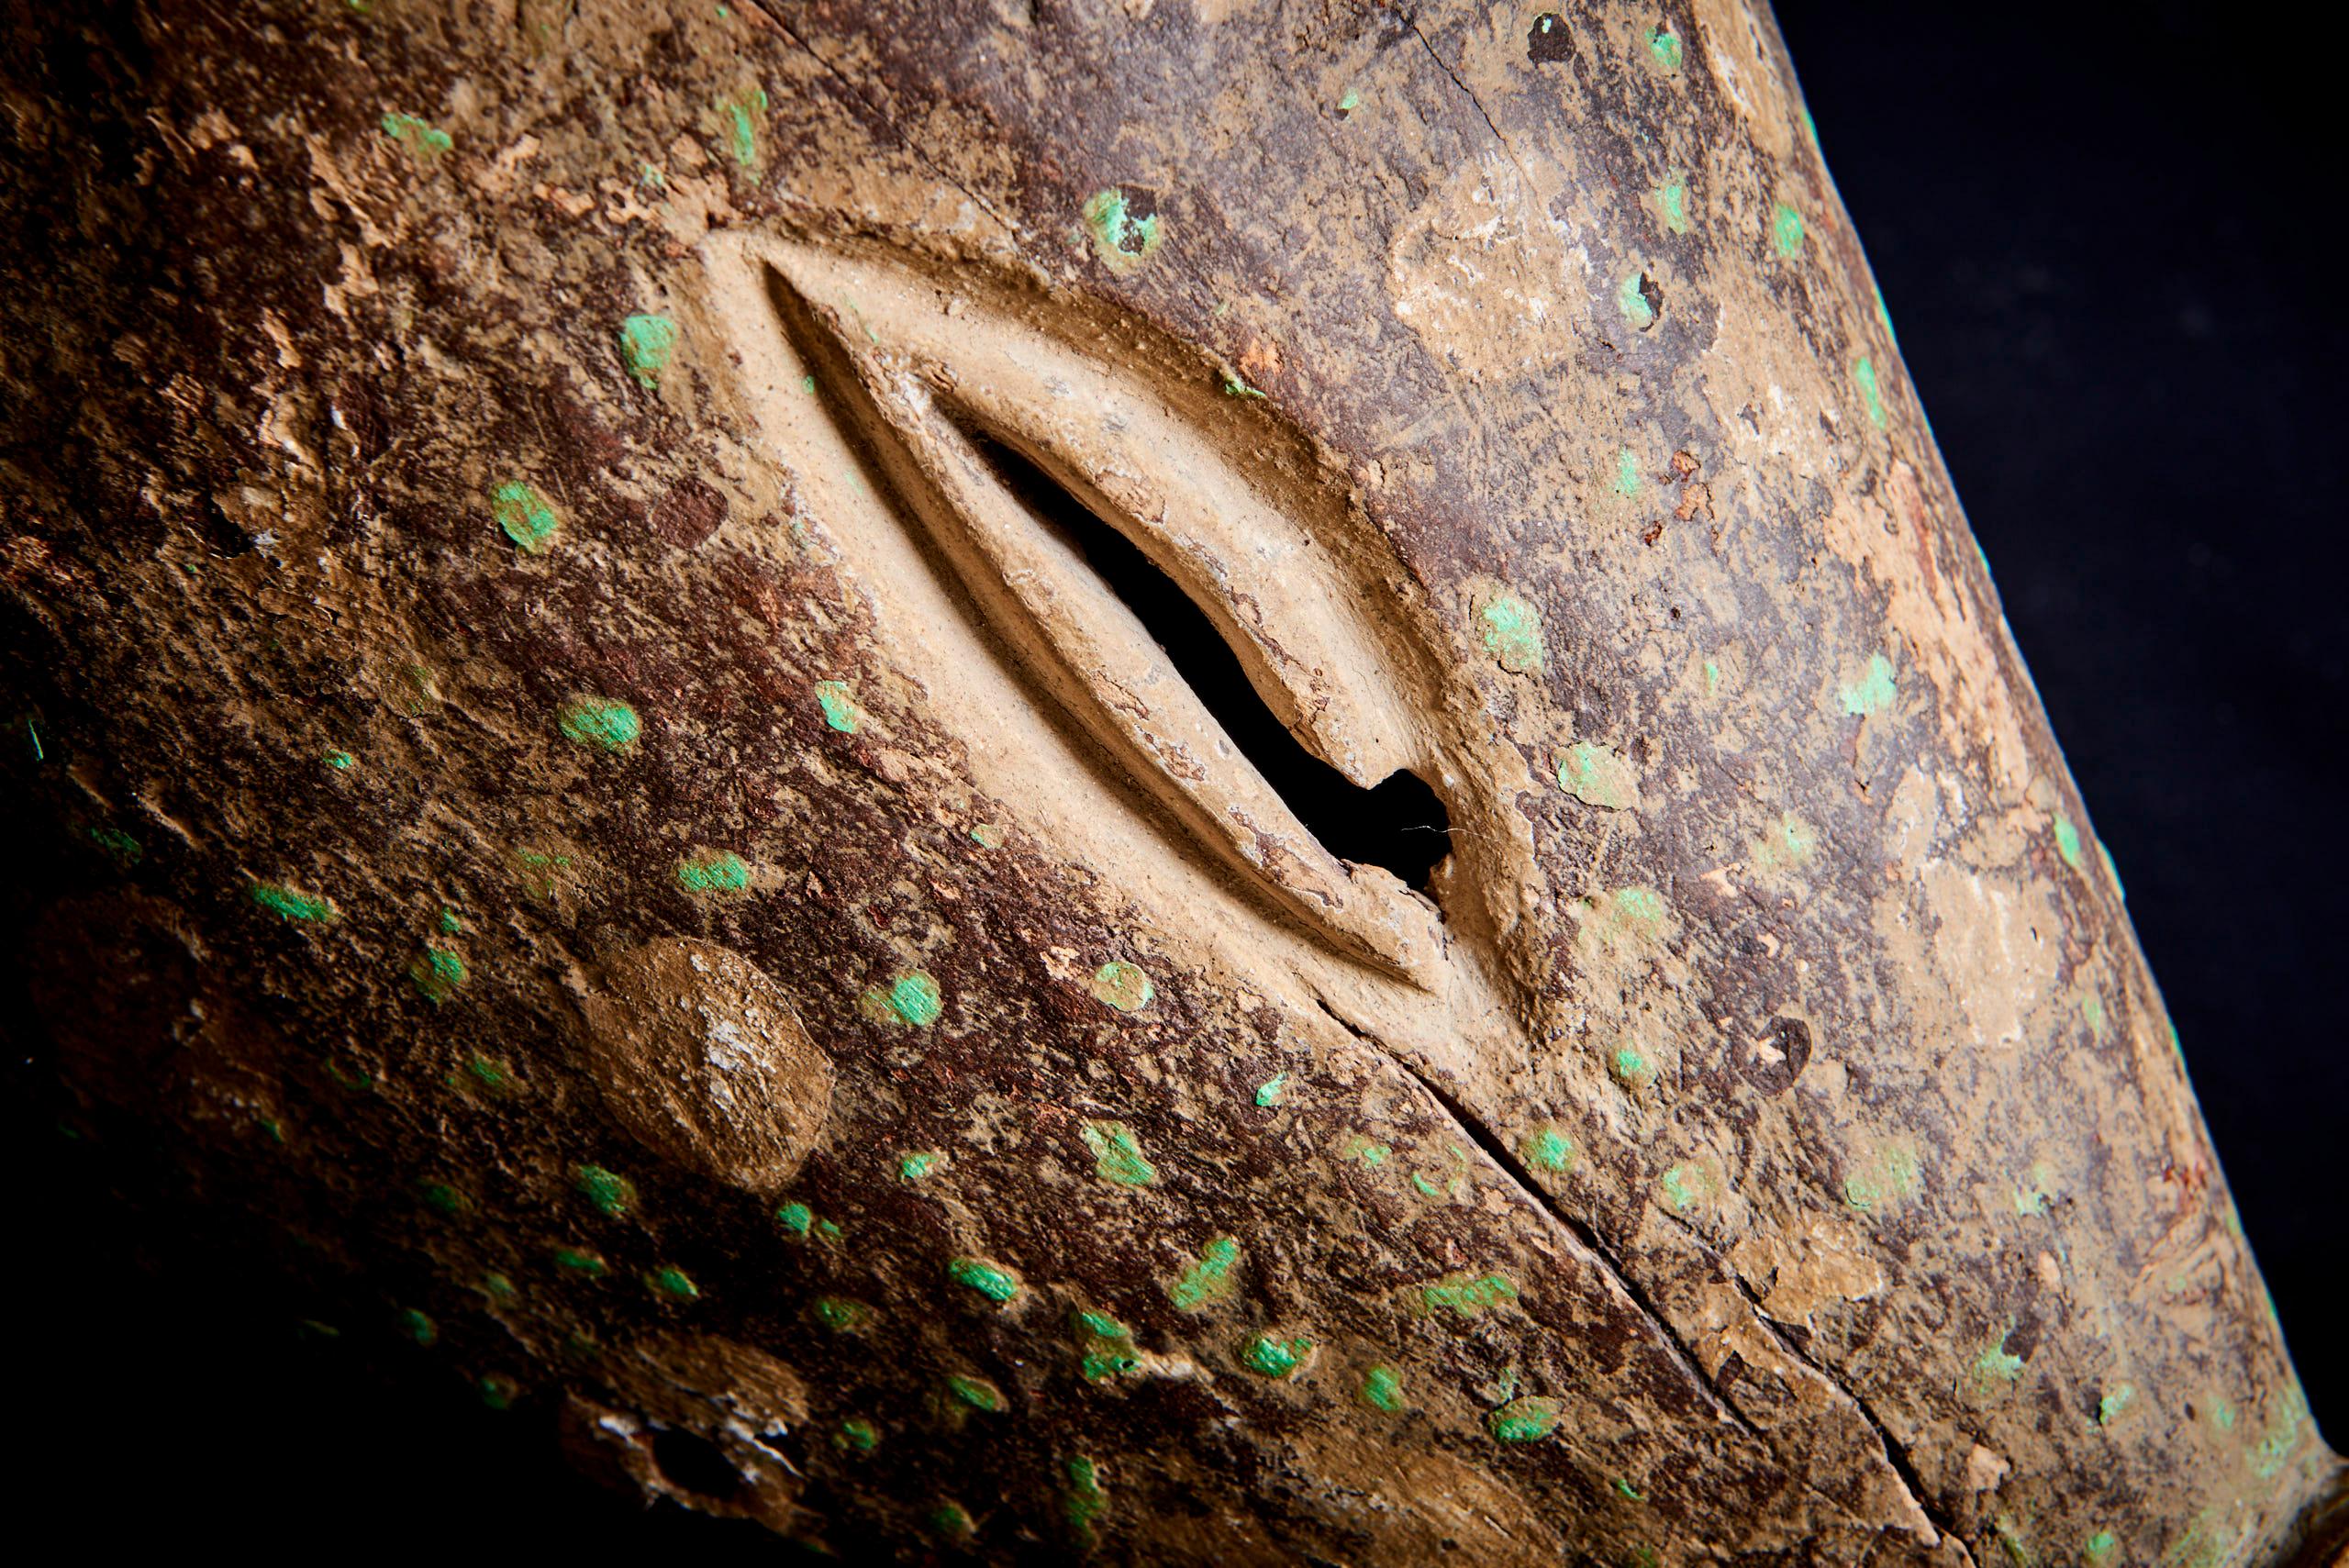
(1108, 1346)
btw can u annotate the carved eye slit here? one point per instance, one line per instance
(1399, 823)
(1165, 594)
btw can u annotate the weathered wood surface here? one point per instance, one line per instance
(595, 818)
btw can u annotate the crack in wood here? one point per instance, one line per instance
(1596, 1251)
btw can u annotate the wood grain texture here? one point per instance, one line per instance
(610, 841)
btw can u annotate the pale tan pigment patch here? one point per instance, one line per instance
(702, 1057)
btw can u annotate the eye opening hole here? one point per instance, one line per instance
(692, 1463)
(1400, 823)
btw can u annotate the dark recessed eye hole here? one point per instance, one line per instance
(1401, 824)
(691, 1463)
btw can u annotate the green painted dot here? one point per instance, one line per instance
(1382, 1389)
(442, 1198)
(419, 137)
(2104, 857)
(1785, 230)
(796, 1219)
(1663, 48)
(993, 1281)
(920, 1164)
(498, 1285)
(498, 1391)
(856, 1435)
(841, 1315)
(1086, 1500)
(605, 723)
(916, 1000)
(611, 1192)
(1627, 473)
(2115, 1400)
(438, 974)
(1269, 1357)
(2067, 841)
(1623, 1488)
(1549, 1149)
(1995, 1367)
(1872, 692)
(1673, 199)
(449, 923)
(1120, 238)
(1684, 1185)
(988, 834)
(285, 902)
(1208, 1278)
(1631, 299)
(125, 848)
(1122, 985)
(524, 515)
(419, 1328)
(1352, 101)
(977, 1393)
(721, 870)
(647, 344)
(1631, 1069)
(1510, 629)
(672, 1282)
(839, 707)
(1117, 1154)
(2099, 1547)
(952, 1520)
(342, 762)
(1526, 1421)
(578, 1260)
(743, 131)
(1468, 1295)
(1099, 1324)
(1268, 1093)
(1598, 776)
(1864, 372)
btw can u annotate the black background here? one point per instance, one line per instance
(2103, 233)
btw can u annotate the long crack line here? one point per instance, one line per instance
(1474, 101)
(1894, 1453)
(1599, 1252)
(767, 9)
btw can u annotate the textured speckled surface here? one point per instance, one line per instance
(425, 609)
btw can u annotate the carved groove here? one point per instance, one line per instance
(1399, 824)
(941, 411)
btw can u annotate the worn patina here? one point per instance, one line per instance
(590, 812)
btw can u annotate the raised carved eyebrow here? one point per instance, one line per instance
(937, 393)
(1306, 625)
